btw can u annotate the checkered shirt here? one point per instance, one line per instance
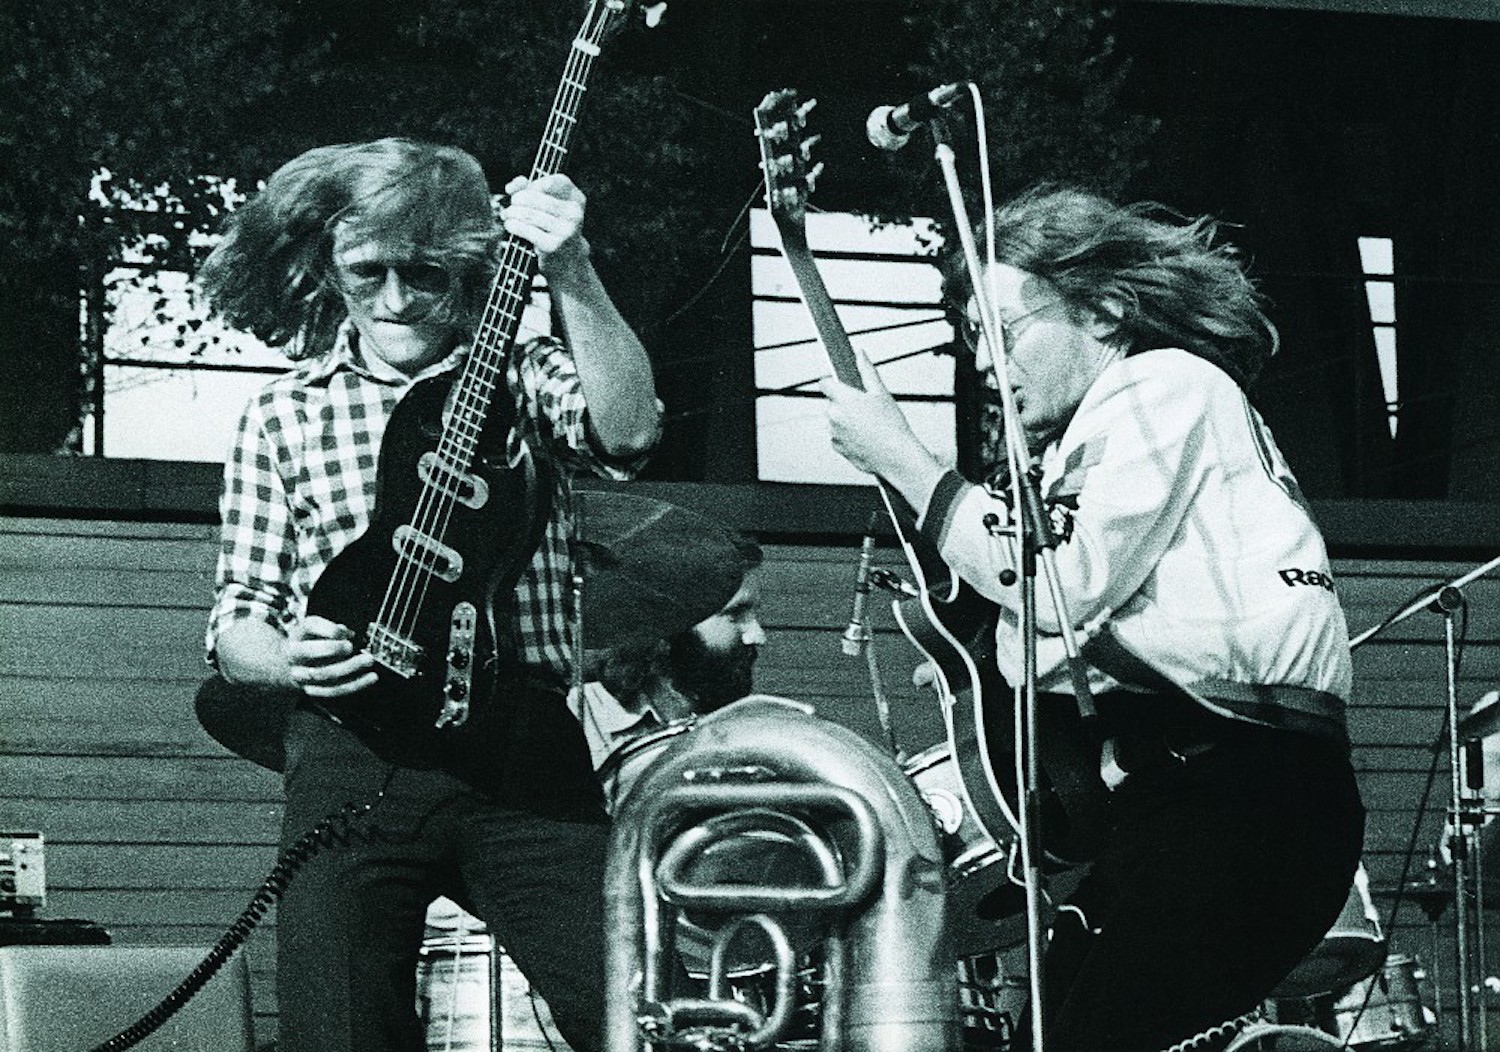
(299, 485)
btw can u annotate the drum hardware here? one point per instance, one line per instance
(992, 990)
(1385, 1011)
(1354, 948)
(1382, 1011)
(1445, 599)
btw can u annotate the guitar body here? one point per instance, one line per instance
(453, 617)
(956, 633)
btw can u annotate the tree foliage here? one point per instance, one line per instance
(171, 99)
(143, 90)
(1052, 79)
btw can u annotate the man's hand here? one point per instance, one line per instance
(549, 215)
(867, 426)
(870, 431)
(323, 661)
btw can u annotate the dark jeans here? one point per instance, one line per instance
(1218, 875)
(527, 858)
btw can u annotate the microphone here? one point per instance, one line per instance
(856, 633)
(890, 127)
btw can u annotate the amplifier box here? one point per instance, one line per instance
(23, 872)
(70, 998)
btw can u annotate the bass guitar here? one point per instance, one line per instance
(946, 620)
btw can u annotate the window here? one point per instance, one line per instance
(1377, 260)
(887, 291)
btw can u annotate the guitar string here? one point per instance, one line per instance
(402, 592)
(488, 370)
(410, 584)
(435, 509)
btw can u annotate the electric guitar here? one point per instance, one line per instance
(428, 586)
(946, 620)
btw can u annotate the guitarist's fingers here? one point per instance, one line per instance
(310, 651)
(560, 188)
(315, 627)
(332, 678)
(869, 373)
(339, 688)
(547, 231)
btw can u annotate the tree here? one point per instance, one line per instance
(169, 99)
(140, 89)
(1053, 79)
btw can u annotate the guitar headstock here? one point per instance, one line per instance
(786, 156)
(604, 18)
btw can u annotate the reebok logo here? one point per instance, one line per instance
(1292, 578)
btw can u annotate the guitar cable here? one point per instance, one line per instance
(336, 830)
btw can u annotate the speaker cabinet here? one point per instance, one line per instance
(72, 998)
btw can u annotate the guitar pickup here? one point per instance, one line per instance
(468, 489)
(428, 553)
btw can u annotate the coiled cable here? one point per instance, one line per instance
(336, 829)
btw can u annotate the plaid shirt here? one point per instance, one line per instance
(299, 485)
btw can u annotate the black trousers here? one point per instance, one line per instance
(526, 856)
(1218, 875)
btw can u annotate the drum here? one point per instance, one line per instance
(1385, 1011)
(1353, 949)
(458, 977)
(446, 918)
(976, 864)
(454, 981)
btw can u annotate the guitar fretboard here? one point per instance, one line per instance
(511, 290)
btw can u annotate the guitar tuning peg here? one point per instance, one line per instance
(808, 144)
(806, 108)
(812, 176)
(652, 14)
(776, 132)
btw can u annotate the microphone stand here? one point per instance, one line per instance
(1034, 538)
(1445, 599)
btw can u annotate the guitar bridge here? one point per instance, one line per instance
(394, 651)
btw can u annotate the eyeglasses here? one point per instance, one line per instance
(1011, 329)
(367, 277)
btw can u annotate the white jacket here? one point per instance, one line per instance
(1183, 536)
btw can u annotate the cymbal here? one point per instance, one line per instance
(1422, 892)
(650, 569)
(1483, 720)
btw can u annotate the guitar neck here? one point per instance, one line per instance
(820, 305)
(511, 290)
(840, 351)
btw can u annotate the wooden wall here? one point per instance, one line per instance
(156, 832)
